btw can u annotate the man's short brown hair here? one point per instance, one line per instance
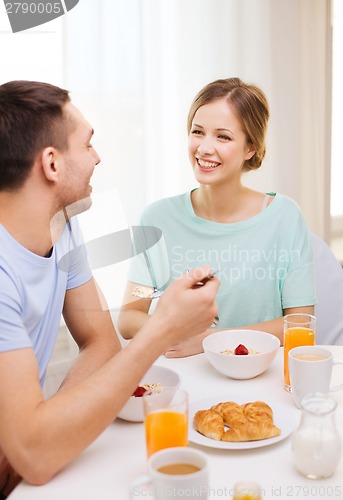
(31, 118)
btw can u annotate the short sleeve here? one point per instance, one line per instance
(298, 287)
(13, 334)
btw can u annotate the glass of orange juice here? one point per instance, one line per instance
(299, 330)
(165, 419)
(247, 490)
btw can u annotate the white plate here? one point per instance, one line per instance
(283, 416)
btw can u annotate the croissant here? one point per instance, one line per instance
(231, 413)
(258, 424)
(252, 431)
(209, 423)
(248, 422)
(257, 409)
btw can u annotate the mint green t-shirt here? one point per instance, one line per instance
(264, 263)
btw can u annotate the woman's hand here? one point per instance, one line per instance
(188, 347)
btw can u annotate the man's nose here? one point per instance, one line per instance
(96, 157)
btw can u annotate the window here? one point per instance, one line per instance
(337, 119)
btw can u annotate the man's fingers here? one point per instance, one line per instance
(198, 275)
(12, 482)
(8, 477)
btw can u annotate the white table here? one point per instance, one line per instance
(107, 467)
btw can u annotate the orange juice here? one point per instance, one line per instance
(165, 429)
(294, 337)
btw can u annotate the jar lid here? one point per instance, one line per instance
(318, 403)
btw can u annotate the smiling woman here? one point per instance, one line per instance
(214, 148)
(262, 247)
(227, 125)
(247, 117)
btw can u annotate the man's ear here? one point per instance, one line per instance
(50, 163)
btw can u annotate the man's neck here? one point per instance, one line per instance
(28, 222)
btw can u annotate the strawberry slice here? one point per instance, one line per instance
(139, 392)
(241, 350)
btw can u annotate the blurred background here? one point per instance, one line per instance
(133, 68)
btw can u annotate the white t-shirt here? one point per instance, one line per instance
(265, 263)
(32, 291)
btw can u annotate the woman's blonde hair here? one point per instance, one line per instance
(251, 107)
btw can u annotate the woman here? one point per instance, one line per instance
(258, 243)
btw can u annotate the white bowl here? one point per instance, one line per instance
(241, 367)
(133, 410)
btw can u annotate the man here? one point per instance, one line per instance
(46, 162)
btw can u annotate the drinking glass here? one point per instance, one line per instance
(316, 444)
(299, 330)
(165, 419)
(247, 490)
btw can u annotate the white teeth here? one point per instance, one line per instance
(207, 164)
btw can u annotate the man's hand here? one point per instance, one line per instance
(186, 307)
(8, 476)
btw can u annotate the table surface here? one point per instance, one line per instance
(106, 468)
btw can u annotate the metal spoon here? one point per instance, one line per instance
(150, 293)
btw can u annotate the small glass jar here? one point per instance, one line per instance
(247, 490)
(316, 444)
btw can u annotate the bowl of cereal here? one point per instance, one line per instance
(156, 379)
(241, 354)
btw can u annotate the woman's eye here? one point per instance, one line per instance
(224, 137)
(196, 132)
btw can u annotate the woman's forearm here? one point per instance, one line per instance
(130, 322)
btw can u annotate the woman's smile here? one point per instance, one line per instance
(206, 165)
